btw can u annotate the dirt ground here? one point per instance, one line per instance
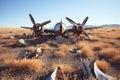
(105, 45)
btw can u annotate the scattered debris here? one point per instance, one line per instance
(21, 43)
(71, 38)
(60, 39)
(27, 54)
(23, 54)
(26, 36)
(12, 37)
(86, 69)
(88, 66)
(100, 75)
(55, 73)
(75, 50)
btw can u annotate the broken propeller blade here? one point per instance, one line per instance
(44, 23)
(72, 22)
(85, 20)
(32, 19)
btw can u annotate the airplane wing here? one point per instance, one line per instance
(26, 27)
(69, 28)
(87, 28)
(49, 30)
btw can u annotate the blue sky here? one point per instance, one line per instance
(14, 13)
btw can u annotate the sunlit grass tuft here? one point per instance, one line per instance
(86, 49)
(67, 68)
(62, 50)
(30, 64)
(103, 65)
(109, 52)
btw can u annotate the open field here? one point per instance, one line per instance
(105, 45)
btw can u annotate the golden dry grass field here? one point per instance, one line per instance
(105, 45)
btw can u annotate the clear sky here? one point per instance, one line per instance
(14, 13)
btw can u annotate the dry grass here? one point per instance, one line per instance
(5, 36)
(62, 50)
(95, 38)
(3, 48)
(67, 68)
(7, 56)
(59, 54)
(14, 30)
(109, 52)
(113, 42)
(86, 49)
(115, 58)
(19, 78)
(45, 46)
(106, 42)
(32, 64)
(11, 42)
(103, 65)
(31, 49)
(99, 45)
(81, 44)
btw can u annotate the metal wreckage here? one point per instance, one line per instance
(88, 67)
(60, 28)
(60, 31)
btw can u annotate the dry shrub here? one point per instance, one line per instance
(30, 64)
(109, 52)
(95, 38)
(63, 47)
(104, 45)
(118, 45)
(96, 46)
(62, 50)
(7, 56)
(103, 65)
(59, 53)
(11, 42)
(3, 48)
(45, 46)
(86, 49)
(31, 49)
(99, 45)
(81, 44)
(113, 42)
(115, 58)
(5, 36)
(67, 68)
(28, 78)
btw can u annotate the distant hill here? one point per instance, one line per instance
(111, 25)
(105, 25)
(88, 26)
